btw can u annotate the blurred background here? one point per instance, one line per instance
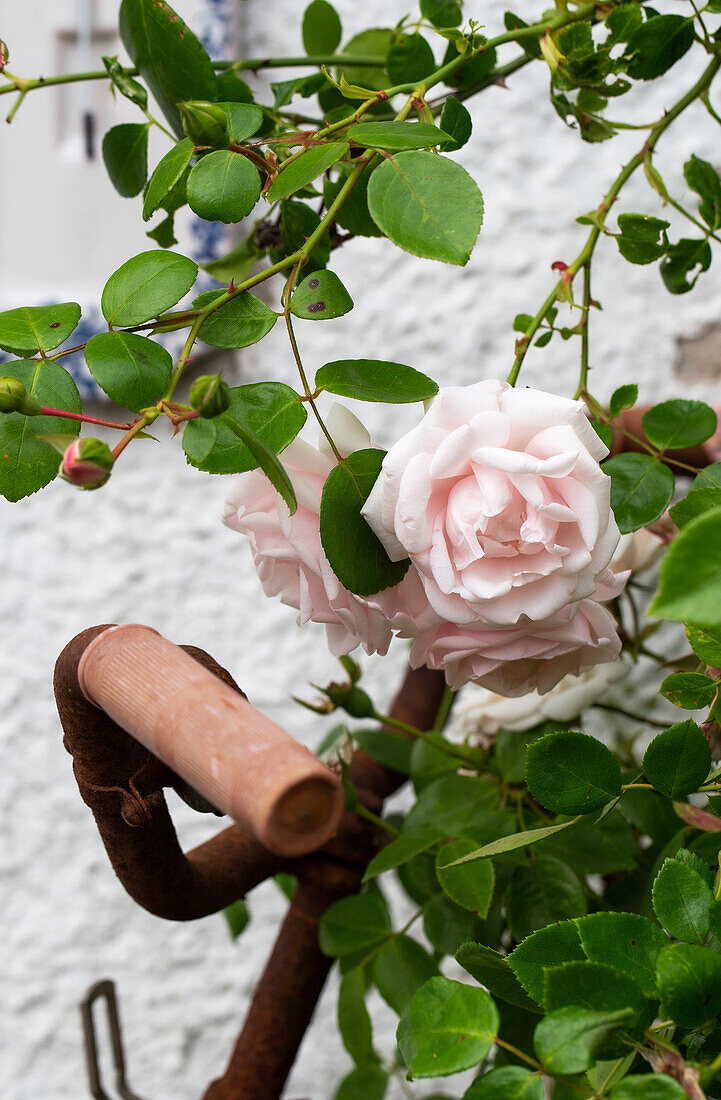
(150, 546)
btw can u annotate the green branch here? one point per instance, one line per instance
(585, 256)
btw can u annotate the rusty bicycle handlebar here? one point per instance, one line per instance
(211, 736)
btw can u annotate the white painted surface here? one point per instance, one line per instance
(150, 546)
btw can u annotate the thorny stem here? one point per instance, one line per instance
(46, 411)
(585, 255)
(583, 376)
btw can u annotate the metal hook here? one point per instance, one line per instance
(106, 990)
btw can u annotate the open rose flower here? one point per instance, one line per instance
(498, 499)
(289, 558)
(480, 713)
(528, 655)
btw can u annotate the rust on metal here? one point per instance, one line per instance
(122, 783)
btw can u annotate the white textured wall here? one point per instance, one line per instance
(150, 547)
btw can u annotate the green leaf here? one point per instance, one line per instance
(313, 162)
(446, 1027)
(132, 370)
(689, 585)
(237, 917)
(657, 45)
(452, 803)
(469, 885)
(29, 329)
(572, 773)
(703, 178)
(297, 223)
(689, 983)
(375, 42)
(595, 847)
(427, 205)
(682, 901)
(696, 502)
(27, 463)
(543, 892)
(125, 153)
(363, 1083)
(242, 321)
(235, 265)
(320, 297)
(515, 840)
(321, 28)
(402, 849)
(641, 489)
(270, 409)
(678, 760)
(410, 59)
(396, 136)
(567, 1040)
(690, 690)
(447, 926)
(354, 552)
(507, 1083)
(492, 970)
(551, 946)
(243, 120)
(625, 397)
(648, 1086)
(375, 380)
(354, 214)
(455, 121)
(145, 286)
(513, 22)
(265, 458)
(622, 22)
(642, 239)
(681, 260)
(677, 424)
(224, 187)
(591, 985)
(626, 941)
(401, 967)
(442, 13)
(169, 171)
(476, 69)
(706, 644)
(169, 57)
(354, 1022)
(391, 750)
(354, 923)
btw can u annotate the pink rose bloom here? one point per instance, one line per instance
(529, 655)
(290, 560)
(498, 499)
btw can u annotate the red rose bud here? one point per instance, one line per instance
(15, 398)
(210, 395)
(87, 463)
(205, 123)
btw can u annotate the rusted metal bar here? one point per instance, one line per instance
(122, 783)
(104, 991)
(287, 993)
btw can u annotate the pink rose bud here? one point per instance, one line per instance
(87, 463)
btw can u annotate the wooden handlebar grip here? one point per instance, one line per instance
(241, 761)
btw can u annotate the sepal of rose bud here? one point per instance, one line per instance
(87, 463)
(15, 398)
(205, 123)
(210, 395)
(551, 53)
(353, 700)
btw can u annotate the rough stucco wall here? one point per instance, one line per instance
(150, 548)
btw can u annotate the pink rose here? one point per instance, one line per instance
(288, 555)
(498, 499)
(528, 655)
